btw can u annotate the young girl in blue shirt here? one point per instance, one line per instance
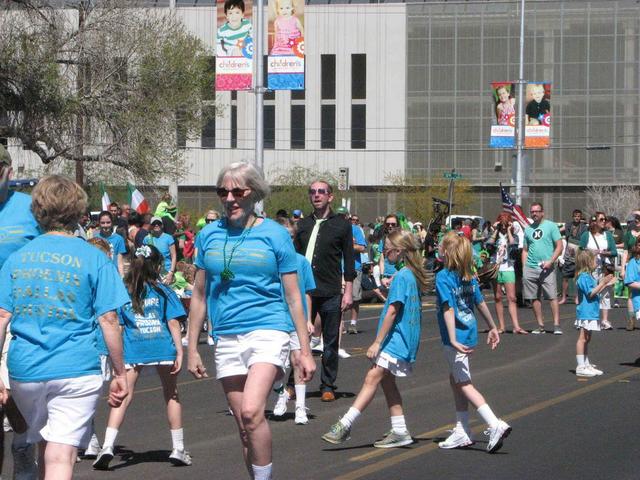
(457, 292)
(151, 334)
(588, 309)
(396, 344)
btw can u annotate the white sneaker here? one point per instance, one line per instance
(6, 425)
(497, 435)
(210, 341)
(24, 462)
(185, 342)
(584, 371)
(317, 345)
(301, 416)
(93, 449)
(595, 370)
(104, 457)
(280, 408)
(342, 353)
(457, 439)
(180, 458)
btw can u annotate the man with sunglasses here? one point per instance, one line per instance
(325, 239)
(542, 247)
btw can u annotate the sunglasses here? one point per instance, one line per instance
(355, 219)
(319, 191)
(208, 220)
(235, 192)
(391, 224)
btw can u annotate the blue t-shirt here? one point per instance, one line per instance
(55, 287)
(461, 297)
(632, 274)
(306, 283)
(163, 244)
(403, 339)
(146, 336)
(358, 237)
(17, 225)
(252, 300)
(588, 307)
(117, 246)
(389, 268)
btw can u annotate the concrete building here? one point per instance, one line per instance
(402, 89)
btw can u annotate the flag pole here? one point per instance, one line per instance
(520, 119)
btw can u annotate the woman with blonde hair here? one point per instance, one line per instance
(395, 347)
(457, 292)
(54, 366)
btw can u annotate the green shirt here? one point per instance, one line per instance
(540, 241)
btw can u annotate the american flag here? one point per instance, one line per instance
(511, 208)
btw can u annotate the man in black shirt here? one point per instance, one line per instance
(326, 240)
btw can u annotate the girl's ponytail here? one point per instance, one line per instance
(413, 260)
(144, 269)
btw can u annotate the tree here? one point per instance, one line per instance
(618, 201)
(103, 84)
(414, 196)
(289, 188)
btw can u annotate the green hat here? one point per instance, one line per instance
(4, 156)
(342, 211)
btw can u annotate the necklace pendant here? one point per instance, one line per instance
(227, 274)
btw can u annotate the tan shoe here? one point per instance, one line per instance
(328, 396)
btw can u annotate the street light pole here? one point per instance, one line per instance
(258, 28)
(520, 118)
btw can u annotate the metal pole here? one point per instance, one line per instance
(520, 118)
(450, 195)
(258, 28)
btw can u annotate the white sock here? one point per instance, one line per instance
(398, 425)
(262, 472)
(94, 442)
(580, 360)
(110, 437)
(462, 420)
(301, 393)
(350, 417)
(177, 438)
(586, 360)
(354, 322)
(487, 415)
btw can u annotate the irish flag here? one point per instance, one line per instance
(106, 201)
(137, 200)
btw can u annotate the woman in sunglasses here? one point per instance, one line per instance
(601, 242)
(244, 262)
(387, 269)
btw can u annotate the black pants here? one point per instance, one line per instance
(330, 314)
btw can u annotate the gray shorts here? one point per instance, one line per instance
(357, 287)
(536, 282)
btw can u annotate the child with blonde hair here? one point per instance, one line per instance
(588, 309)
(457, 292)
(396, 344)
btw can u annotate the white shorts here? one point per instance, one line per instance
(397, 367)
(591, 325)
(236, 353)
(130, 366)
(59, 411)
(106, 367)
(4, 372)
(458, 364)
(294, 342)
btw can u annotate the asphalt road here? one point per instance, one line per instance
(563, 427)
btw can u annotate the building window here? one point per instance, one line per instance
(234, 126)
(358, 126)
(328, 126)
(181, 131)
(328, 74)
(269, 134)
(208, 137)
(359, 76)
(297, 126)
(209, 88)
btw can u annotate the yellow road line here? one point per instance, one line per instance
(421, 450)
